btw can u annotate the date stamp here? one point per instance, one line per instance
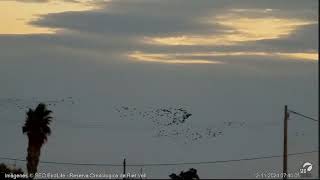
(276, 175)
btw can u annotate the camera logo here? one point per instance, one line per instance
(306, 169)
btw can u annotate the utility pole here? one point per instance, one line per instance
(124, 167)
(285, 142)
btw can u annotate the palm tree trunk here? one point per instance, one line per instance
(33, 158)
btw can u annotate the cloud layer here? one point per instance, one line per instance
(215, 25)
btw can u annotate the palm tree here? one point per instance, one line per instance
(37, 129)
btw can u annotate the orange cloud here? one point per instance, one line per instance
(238, 29)
(202, 58)
(167, 58)
(16, 16)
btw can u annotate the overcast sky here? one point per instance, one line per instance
(223, 61)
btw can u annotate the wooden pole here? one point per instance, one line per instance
(285, 142)
(124, 167)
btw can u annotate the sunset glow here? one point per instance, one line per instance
(17, 16)
(239, 29)
(304, 56)
(203, 57)
(168, 58)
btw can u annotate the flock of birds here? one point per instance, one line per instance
(25, 104)
(175, 123)
(170, 122)
(160, 116)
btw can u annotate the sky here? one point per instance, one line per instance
(222, 61)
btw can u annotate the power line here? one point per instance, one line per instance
(63, 163)
(299, 114)
(165, 164)
(221, 161)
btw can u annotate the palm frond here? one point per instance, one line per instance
(37, 123)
